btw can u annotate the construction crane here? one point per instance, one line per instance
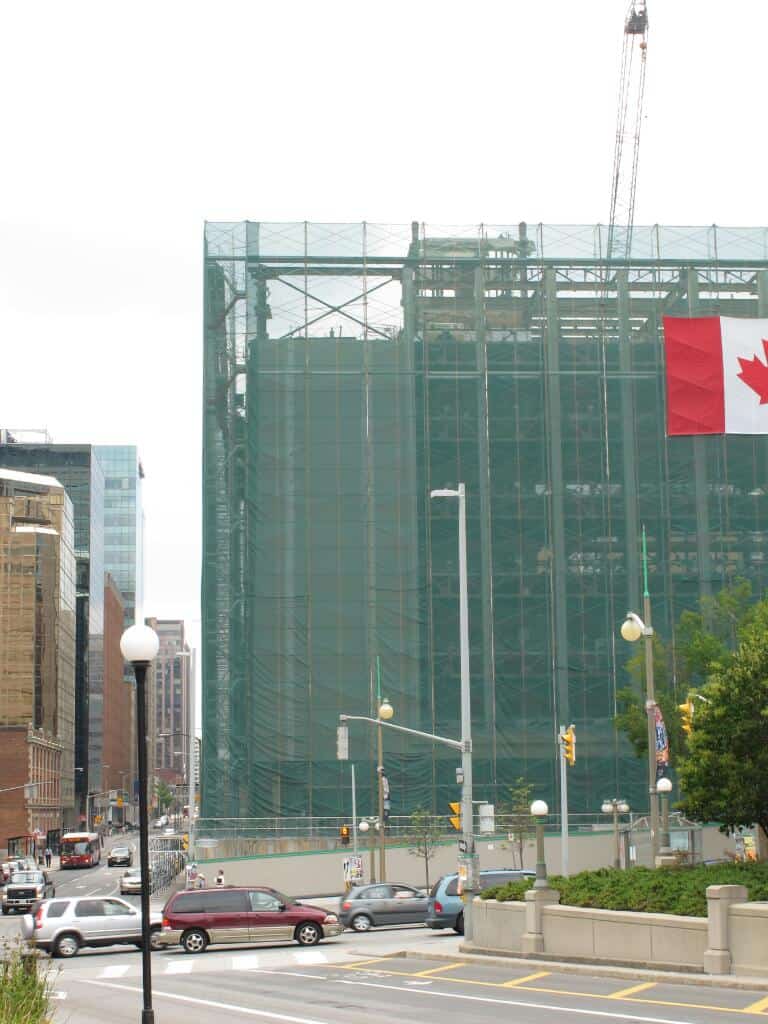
(629, 120)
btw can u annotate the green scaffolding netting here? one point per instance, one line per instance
(350, 369)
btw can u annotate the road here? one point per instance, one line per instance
(356, 976)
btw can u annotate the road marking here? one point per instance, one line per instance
(310, 956)
(631, 991)
(758, 1007)
(178, 968)
(58, 995)
(437, 970)
(549, 1007)
(246, 962)
(359, 963)
(528, 977)
(115, 971)
(221, 1006)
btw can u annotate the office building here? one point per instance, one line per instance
(171, 713)
(37, 657)
(349, 370)
(118, 728)
(79, 470)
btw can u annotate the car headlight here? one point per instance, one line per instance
(330, 919)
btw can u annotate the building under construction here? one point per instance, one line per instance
(352, 368)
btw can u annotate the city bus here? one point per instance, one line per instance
(80, 849)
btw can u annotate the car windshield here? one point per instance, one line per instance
(25, 877)
(120, 851)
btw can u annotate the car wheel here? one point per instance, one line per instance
(154, 939)
(194, 941)
(66, 946)
(361, 923)
(459, 925)
(308, 933)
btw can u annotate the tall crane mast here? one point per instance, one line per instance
(628, 123)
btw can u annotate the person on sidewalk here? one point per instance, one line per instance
(48, 856)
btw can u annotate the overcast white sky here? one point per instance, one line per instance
(125, 126)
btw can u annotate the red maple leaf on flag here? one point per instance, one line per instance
(754, 373)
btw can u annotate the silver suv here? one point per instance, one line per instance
(62, 926)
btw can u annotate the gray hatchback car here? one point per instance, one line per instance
(62, 926)
(370, 906)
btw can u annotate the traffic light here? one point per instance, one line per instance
(185, 841)
(344, 835)
(686, 713)
(456, 816)
(568, 740)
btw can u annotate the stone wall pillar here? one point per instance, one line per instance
(532, 939)
(717, 957)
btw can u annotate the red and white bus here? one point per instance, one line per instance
(80, 849)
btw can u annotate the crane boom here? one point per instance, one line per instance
(628, 123)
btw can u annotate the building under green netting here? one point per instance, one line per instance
(350, 369)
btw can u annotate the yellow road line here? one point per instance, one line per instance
(521, 981)
(359, 963)
(758, 1007)
(622, 993)
(436, 970)
(540, 989)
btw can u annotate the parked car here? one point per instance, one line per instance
(444, 907)
(197, 917)
(371, 906)
(131, 882)
(62, 926)
(24, 888)
(120, 855)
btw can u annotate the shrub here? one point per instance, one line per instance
(25, 991)
(661, 891)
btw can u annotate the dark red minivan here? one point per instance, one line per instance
(197, 917)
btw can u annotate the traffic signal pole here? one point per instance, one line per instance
(563, 803)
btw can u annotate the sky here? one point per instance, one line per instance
(126, 126)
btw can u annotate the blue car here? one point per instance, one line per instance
(444, 906)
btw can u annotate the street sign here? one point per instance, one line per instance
(342, 743)
(462, 846)
(487, 815)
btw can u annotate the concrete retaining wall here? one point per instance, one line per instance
(748, 938)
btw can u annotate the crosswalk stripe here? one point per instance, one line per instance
(115, 971)
(310, 956)
(179, 968)
(246, 962)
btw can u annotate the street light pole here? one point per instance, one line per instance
(139, 645)
(664, 786)
(540, 810)
(615, 807)
(632, 629)
(472, 884)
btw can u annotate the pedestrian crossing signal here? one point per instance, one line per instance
(456, 817)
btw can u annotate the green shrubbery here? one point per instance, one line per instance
(661, 891)
(25, 991)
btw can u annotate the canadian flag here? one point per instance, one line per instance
(717, 375)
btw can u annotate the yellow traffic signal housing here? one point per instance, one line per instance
(568, 739)
(686, 713)
(344, 835)
(456, 817)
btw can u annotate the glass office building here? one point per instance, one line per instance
(80, 472)
(350, 369)
(124, 523)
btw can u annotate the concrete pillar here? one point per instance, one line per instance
(532, 939)
(720, 898)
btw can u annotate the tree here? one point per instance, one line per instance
(725, 774)
(520, 823)
(703, 640)
(164, 795)
(424, 837)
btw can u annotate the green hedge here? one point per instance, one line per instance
(661, 891)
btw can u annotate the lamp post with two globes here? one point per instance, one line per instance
(632, 628)
(139, 645)
(615, 807)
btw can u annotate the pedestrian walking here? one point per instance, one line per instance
(201, 881)
(220, 877)
(48, 856)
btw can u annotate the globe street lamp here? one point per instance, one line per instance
(615, 807)
(386, 711)
(632, 628)
(139, 645)
(539, 810)
(363, 827)
(664, 786)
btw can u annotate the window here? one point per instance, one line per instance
(452, 889)
(404, 892)
(115, 908)
(224, 902)
(90, 908)
(187, 903)
(264, 901)
(378, 892)
(57, 908)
